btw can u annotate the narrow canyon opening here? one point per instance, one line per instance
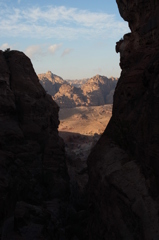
(83, 179)
(85, 110)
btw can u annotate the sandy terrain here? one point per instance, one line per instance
(80, 128)
(85, 120)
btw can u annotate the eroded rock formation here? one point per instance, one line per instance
(124, 165)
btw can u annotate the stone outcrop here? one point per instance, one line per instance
(96, 91)
(124, 164)
(34, 183)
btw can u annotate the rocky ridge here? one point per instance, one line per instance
(123, 166)
(95, 91)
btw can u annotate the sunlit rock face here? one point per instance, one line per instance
(124, 164)
(96, 91)
(33, 175)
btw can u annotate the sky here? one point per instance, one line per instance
(74, 39)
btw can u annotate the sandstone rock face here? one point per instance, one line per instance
(34, 185)
(124, 164)
(95, 91)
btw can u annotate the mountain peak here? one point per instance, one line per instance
(49, 72)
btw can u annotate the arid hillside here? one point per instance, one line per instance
(96, 91)
(81, 128)
(85, 120)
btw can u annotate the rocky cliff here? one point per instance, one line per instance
(124, 164)
(34, 183)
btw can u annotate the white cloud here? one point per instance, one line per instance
(59, 22)
(5, 46)
(34, 50)
(19, 1)
(53, 48)
(66, 51)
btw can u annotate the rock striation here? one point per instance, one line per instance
(34, 183)
(124, 165)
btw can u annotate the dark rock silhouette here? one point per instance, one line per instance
(124, 165)
(34, 184)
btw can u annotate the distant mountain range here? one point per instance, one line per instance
(77, 83)
(94, 91)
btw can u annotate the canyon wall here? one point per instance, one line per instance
(34, 184)
(124, 164)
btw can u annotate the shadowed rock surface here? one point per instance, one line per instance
(35, 199)
(124, 165)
